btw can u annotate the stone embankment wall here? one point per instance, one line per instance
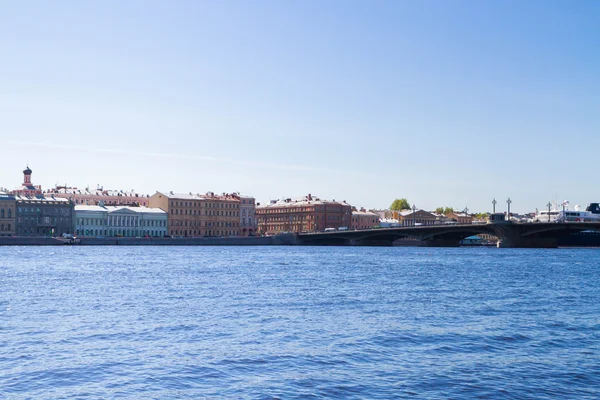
(30, 241)
(208, 241)
(228, 241)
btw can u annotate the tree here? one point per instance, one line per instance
(444, 210)
(399, 205)
(448, 210)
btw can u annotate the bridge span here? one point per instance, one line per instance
(524, 235)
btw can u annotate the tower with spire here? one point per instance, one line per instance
(27, 188)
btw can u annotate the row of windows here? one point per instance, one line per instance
(7, 215)
(301, 209)
(7, 226)
(118, 221)
(223, 213)
(209, 232)
(304, 217)
(200, 204)
(43, 220)
(244, 221)
(205, 223)
(51, 210)
(118, 232)
(113, 202)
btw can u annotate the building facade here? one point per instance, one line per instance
(417, 217)
(120, 221)
(8, 205)
(461, 218)
(43, 216)
(193, 215)
(91, 221)
(307, 214)
(247, 215)
(363, 219)
(40, 215)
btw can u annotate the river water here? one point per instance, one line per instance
(299, 322)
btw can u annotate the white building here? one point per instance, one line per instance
(90, 221)
(122, 221)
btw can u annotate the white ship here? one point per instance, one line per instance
(591, 214)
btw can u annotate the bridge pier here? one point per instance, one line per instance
(528, 242)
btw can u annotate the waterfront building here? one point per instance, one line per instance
(461, 218)
(91, 221)
(200, 214)
(307, 214)
(247, 215)
(39, 215)
(420, 217)
(99, 195)
(363, 219)
(120, 221)
(7, 214)
(43, 216)
(442, 218)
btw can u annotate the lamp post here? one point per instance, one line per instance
(494, 202)
(508, 202)
(414, 208)
(549, 205)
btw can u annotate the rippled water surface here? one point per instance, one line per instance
(299, 322)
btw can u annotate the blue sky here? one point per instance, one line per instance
(446, 103)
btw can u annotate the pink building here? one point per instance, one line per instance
(364, 219)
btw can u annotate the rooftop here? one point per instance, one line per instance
(141, 210)
(93, 192)
(198, 196)
(305, 200)
(41, 199)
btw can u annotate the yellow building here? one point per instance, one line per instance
(7, 214)
(192, 215)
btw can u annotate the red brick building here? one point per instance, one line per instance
(307, 214)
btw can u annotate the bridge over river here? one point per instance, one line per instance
(532, 235)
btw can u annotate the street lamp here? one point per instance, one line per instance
(494, 202)
(564, 205)
(414, 208)
(508, 202)
(549, 205)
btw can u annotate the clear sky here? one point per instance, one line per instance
(446, 103)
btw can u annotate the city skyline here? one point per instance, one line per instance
(446, 104)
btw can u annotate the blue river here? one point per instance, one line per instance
(299, 322)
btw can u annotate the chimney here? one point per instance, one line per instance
(309, 196)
